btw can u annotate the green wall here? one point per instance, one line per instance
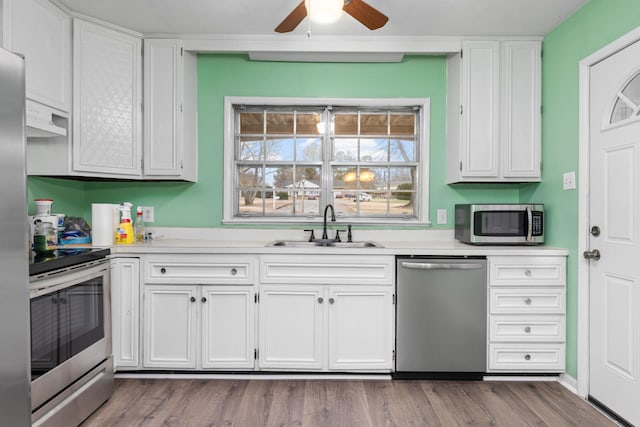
(200, 204)
(597, 24)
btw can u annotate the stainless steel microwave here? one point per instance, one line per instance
(506, 224)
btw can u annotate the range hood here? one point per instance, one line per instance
(44, 122)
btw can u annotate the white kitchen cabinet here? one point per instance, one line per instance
(326, 312)
(107, 85)
(170, 111)
(527, 314)
(125, 312)
(41, 32)
(493, 112)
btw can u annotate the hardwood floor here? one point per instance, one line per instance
(353, 403)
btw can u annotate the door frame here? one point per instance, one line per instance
(583, 199)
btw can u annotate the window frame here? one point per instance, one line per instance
(422, 179)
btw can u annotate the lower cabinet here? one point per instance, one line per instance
(194, 326)
(125, 312)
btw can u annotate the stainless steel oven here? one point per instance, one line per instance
(71, 362)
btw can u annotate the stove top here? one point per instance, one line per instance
(62, 258)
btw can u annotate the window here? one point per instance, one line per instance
(627, 104)
(287, 158)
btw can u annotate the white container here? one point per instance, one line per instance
(43, 206)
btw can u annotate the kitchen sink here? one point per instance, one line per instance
(322, 243)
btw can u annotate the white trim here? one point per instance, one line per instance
(253, 377)
(570, 383)
(583, 201)
(229, 152)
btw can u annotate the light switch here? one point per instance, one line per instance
(442, 216)
(569, 180)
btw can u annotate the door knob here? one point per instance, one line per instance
(594, 254)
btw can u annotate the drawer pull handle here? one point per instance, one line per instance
(234, 271)
(527, 301)
(192, 299)
(320, 300)
(203, 299)
(527, 357)
(331, 300)
(527, 273)
(527, 329)
(163, 270)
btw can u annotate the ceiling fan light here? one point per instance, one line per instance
(324, 11)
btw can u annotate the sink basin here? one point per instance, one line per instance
(322, 243)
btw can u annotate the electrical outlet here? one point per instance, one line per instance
(569, 180)
(147, 213)
(442, 216)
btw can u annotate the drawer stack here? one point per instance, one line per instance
(527, 314)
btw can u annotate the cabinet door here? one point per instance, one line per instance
(479, 145)
(125, 312)
(292, 328)
(107, 78)
(521, 79)
(360, 329)
(42, 33)
(163, 98)
(170, 326)
(228, 340)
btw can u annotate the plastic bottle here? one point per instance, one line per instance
(138, 226)
(124, 232)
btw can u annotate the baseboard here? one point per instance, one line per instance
(265, 376)
(570, 383)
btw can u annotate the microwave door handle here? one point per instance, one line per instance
(529, 224)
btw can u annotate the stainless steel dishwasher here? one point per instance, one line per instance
(441, 317)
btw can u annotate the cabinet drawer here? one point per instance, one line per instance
(527, 301)
(527, 328)
(527, 357)
(527, 271)
(200, 269)
(327, 269)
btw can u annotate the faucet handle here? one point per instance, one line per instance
(337, 238)
(312, 237)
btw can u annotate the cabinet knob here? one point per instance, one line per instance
(527, 357)
(527, 273)
(320, 300)
(234, 271)
(163, 270)
(527, 301)
(203, 299)
(527, 329)
(332, 300)
(192, 299)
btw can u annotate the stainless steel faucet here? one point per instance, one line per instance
(333, 219)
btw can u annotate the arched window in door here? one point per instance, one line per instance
(627, 104)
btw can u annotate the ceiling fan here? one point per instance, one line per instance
(367, 15)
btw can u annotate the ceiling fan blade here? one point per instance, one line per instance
(367, 15)
(295, 17)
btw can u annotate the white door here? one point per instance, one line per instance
(227, 327)
(360, 329)
(614, 197)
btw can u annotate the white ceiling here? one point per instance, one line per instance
(260, 17)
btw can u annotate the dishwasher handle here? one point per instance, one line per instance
(440, 266)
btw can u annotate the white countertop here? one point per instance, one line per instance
(394, 242)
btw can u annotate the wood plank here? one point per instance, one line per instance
(453, 406)
(287, 406)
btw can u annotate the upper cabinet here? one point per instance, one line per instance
(41, 32)
(170, 85)
(107, 120)
(493, 112)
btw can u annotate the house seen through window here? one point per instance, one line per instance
(290, 160)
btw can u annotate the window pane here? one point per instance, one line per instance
(371, 203)
(309, 176)
(402, 178)
(282, 205)
(279, 123)
(402, 205)
(307, 123)
(403, 124)
(250, 176)
(374, 178)
(270, 175)
(632, 91)
(309, 149)
(345, 150)
(251, 123)
(282, 176)
(373, 124)
(250, 202)
(346, 124)
(403, 150)
(279, 149)
(374, 150)
(250, 149)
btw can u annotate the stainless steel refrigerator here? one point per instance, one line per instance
(15, 381)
